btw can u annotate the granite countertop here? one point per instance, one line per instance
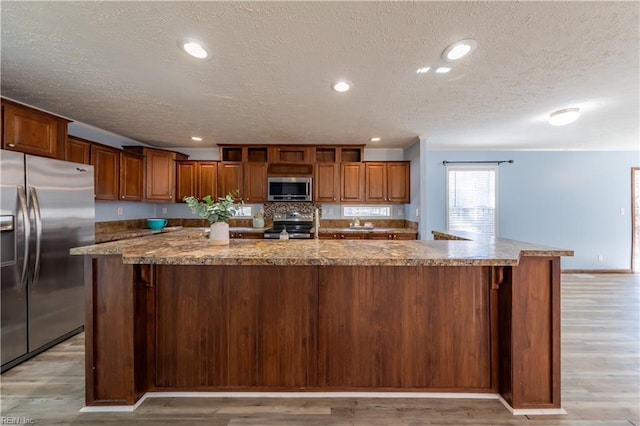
(190, 246)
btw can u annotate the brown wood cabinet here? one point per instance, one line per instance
(131, 176)
(106, 168)
(230, 178)
(246, 235)
(291, 154)
(159, 172)
(196, 178)
(78, 150)
(327, 183)
(387, 182)
(342, 236)
(352, 182)
(255, 182)
(32, 131)
(391, 236)
(160, 175)
(399, 182)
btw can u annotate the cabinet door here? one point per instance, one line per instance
(255, 182)
(33, 132)
(229, 178)
(78, 150)
(352, 182)
(376, 178)
(291, 154)
(160, 175)
(380, 236)
(398, 178)
(106, 167)
(207, 179)
(186, 180)
(327, 183)
(131, 176)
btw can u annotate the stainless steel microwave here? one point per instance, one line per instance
(295, 188)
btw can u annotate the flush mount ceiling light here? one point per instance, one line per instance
(375, 139)
(564, 116)
(341, 86)
(194, 48)
(459, 49)
(443, 70)
(423, 70)
(196, 138)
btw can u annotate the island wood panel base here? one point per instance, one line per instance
(529, 339)
(405, 327)
(115, 332)
(228, 326)
(333, 328)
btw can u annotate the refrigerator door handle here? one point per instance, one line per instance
(38, 222)
(22, 197)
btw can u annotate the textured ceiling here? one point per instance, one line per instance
(116, 66)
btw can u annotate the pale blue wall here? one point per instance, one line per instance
(558, 198)
(108, 210)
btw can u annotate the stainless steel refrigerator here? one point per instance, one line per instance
(47, 207)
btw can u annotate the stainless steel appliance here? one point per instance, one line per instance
(298, 226)
(297, 188)
(46, 208)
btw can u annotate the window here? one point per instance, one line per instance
(366, 212)
(471, 199)
(244, 211)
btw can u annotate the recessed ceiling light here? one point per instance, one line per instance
(459, 49)
(196, 138)
(443, 70)
(341, 86)
(375, 139)
(564, 116)
(423, 70)
(194, 48)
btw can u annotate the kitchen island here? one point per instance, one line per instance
(171, 312)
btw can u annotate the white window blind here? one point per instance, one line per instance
(471, 199)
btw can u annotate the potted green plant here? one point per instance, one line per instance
(217, 213)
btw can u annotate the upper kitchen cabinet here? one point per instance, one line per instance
(255, 182)
(159, 173)
(131, 176)
(291, 154)
(352, 182)
(398, 182)
(196, 178)
(106, 168)
(326, 184)
(78, 150)
(387, 182)
(32, 131)
(230, 178)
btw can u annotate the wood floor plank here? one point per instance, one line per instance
(600, 381)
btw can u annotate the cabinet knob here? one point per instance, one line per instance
(12, 145)
(170, 197)
(123, 197)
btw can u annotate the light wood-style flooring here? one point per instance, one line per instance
(600, 381)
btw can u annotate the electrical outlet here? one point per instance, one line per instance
(330, 211)
(119, 211)
(164, 210)
(600, 258)
(621, 211)
(400, 213)
(417, 212)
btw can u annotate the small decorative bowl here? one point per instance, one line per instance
(156, 224)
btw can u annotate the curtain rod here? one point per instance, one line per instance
(498, 162)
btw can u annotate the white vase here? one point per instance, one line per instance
(219, 234)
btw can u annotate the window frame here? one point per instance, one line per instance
(474, 167)
(386, 206)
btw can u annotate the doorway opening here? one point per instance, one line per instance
(635, 219)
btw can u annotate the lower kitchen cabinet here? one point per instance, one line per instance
(342, 236)
(392, 236)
